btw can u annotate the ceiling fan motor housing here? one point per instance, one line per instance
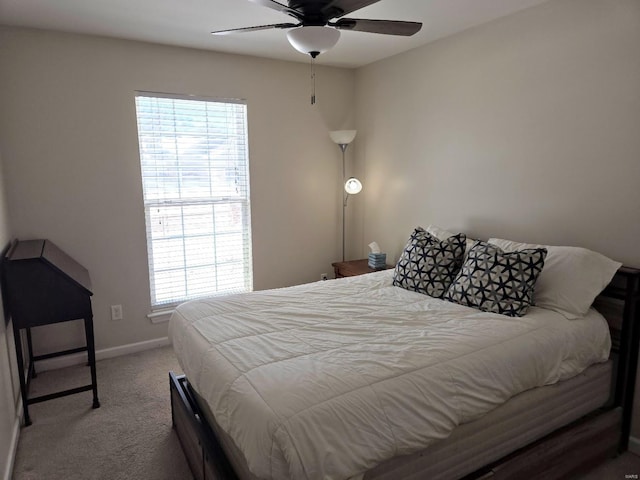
(316, 12)
(315, 33)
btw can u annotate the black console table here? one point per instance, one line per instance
(44, 285)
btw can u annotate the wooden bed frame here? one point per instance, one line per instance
(564, 453)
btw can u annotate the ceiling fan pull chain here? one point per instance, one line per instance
(313, 82)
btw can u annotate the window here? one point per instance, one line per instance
(195, 179)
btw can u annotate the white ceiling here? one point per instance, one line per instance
(188, 23)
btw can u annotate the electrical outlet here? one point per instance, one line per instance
(116, 312)
(323, 276)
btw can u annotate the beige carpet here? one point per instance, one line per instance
(130, 435)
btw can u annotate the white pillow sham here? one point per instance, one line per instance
(571, 279)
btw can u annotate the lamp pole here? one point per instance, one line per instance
(343, 138)
(343, 147)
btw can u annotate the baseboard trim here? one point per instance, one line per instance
(13, 447)
(634, 445)
(80, 358)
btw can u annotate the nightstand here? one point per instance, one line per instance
(352, 268)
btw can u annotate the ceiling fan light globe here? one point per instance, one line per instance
(313, 40)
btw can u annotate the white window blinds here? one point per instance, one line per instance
(195, 178)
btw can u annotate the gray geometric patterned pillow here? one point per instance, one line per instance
(429, 265)
(495, 281)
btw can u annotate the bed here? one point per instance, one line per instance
(357, 378)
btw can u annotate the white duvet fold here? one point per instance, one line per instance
(326, 380)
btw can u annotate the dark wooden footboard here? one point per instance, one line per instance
(563, 454)
(199, 443)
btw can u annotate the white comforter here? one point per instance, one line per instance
(326, 380)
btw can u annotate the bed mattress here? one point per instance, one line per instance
(328, 380)
(523, 419)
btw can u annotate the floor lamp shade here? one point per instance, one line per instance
(343, 137)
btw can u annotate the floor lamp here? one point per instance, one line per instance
(352, 185)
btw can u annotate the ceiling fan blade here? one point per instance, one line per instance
(257, 27)
(279, 7)
(386, 27)
(339, 8)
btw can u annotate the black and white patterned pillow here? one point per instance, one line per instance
(429, 265)
(495, 281)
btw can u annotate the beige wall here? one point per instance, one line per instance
(9, 388)
(526, 128)
(68, 128)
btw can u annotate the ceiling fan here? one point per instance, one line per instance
(319, 23)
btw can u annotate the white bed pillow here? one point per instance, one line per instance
(442, 234)
(571, 279)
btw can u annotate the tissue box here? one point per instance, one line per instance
(377, 260)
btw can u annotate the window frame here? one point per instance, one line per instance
(211, 200)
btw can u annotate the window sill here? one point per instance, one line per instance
(160, 316)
